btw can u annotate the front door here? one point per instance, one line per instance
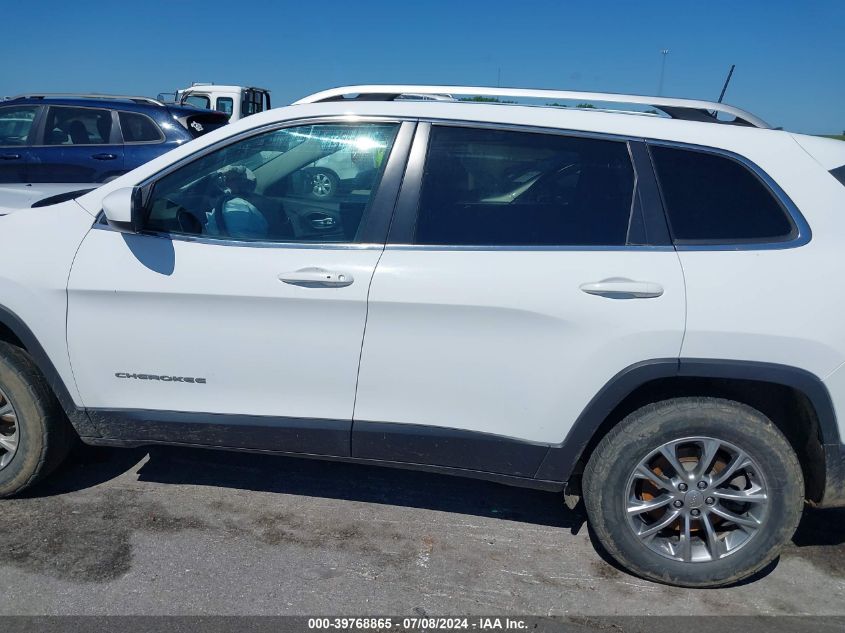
(16, 127)
(236, 317)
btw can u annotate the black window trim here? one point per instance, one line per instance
(404, 220)
(373, 233)
(800, 234)
(161, 137)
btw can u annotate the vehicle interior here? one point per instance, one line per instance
(506, 188)
(266, 177)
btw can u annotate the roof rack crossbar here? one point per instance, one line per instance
(685, 109)
(91, 95)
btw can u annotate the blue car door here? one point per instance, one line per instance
(77, 144)
(16, 128)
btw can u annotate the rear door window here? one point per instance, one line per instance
(715, 199)
(839, 174)
(139, 128)
(15, 124)
(77, 126)
(501, 187)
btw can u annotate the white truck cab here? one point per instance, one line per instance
(236, 101)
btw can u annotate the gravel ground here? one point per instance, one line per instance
(185, 531)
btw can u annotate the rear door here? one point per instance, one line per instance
(524, 270)
(77, 145)
(17, 124)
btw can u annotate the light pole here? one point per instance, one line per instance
(663, 52)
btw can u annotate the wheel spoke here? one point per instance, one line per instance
(6, 408)
(651, 530)
(708, 454)
(742, 496)
(685, 544)
(638, 507)
(742, 521)
(668, 451)
(714, 544)
(9, 443)
(739, 461)
(644, 472)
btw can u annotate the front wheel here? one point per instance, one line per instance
(35, 435)
(695, 492)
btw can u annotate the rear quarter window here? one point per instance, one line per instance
(711, 198)
(139, 128)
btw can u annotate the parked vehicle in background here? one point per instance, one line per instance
(236, 102)
(76, 140)
(90, 138)
(636, 308)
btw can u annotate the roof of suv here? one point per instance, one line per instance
(112, 102)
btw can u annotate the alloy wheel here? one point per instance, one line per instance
(321, 185)
(9, 432)
(696, 499)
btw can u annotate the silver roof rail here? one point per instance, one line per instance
(685, 109)
(80, 95)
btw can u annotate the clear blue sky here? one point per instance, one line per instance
(790, 56)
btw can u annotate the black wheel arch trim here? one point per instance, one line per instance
(561, 460)
(78, 417)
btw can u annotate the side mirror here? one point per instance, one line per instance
(123, 209)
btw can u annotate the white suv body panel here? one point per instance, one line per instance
(221, 313)
(37, 249)
(504, 341)
(776, 323)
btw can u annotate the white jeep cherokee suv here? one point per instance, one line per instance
(641, 309)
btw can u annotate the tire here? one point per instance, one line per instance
(37, 430)
(714, 551)
(322, 184)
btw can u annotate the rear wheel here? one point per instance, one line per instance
(697, 492)
(35, 435)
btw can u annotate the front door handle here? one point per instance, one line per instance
(317, 278)
(10, 156)
(104, 156)
(621, 288)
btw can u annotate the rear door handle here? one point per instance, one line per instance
(621, 288)
(104, 156)
(317, 278)
(10, 156)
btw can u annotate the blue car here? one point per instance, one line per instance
(91, 138)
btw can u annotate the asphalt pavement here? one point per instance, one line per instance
(186, 531)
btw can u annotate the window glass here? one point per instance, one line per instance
(715, 198)
(77, 126)
(303, 184)
(199, 101)
(495, 187)
(252, 103)
(839, 174)
(15, 123)
(225, 105)
(139, 128)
